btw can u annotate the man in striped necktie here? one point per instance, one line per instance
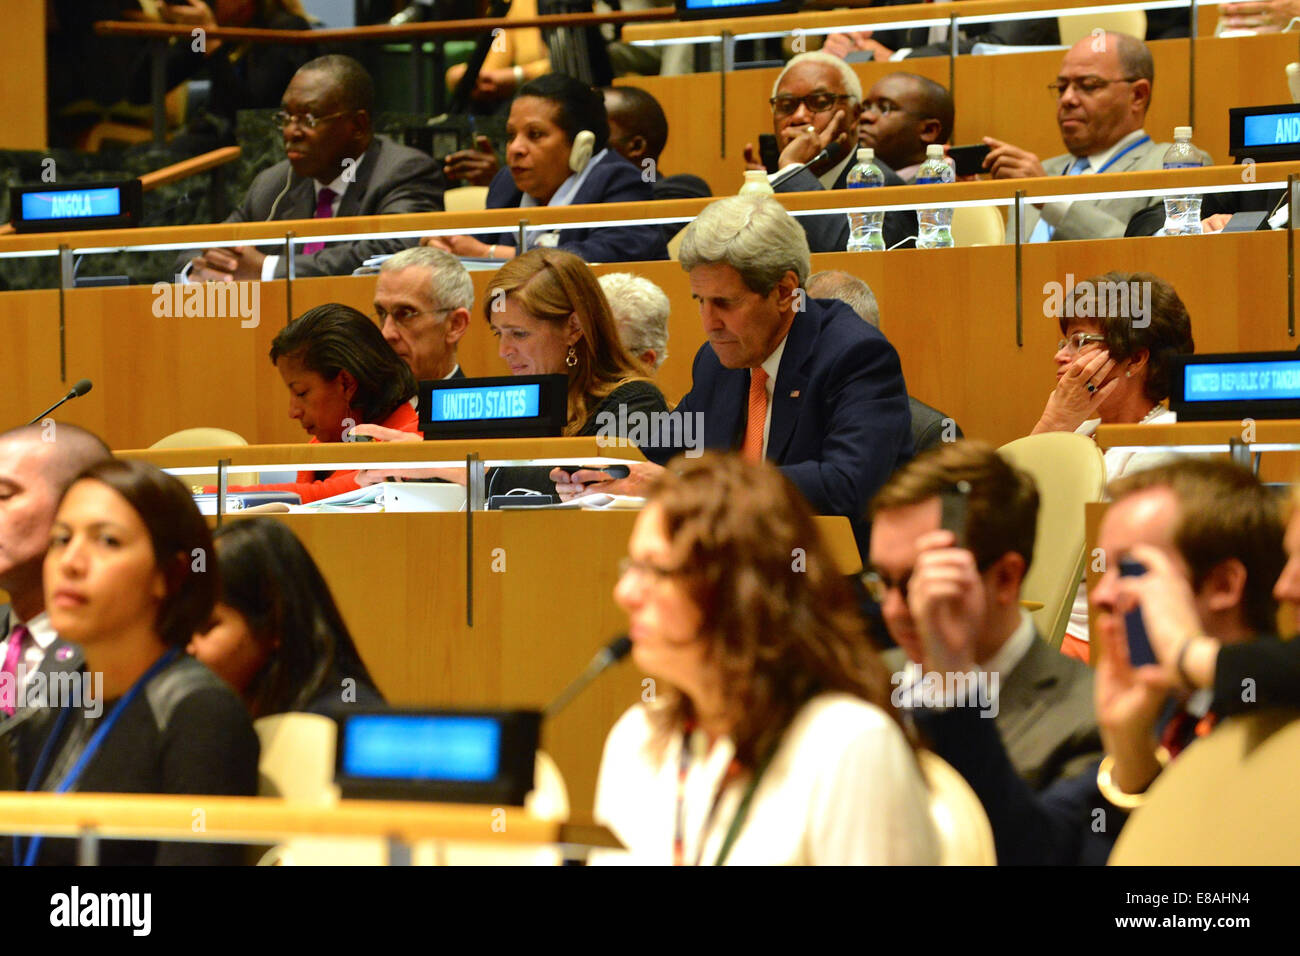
(1102, 93)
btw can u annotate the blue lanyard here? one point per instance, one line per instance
(71, 777)
(1127, 149)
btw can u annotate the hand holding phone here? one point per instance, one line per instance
(1139, 645)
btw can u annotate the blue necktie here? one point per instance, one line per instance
(1042, 231)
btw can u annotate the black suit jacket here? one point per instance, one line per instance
(928, 426)
(840, 419)
(831, 233)
(390, 179)
(611, 179)
(1042, 32)
(1272, 668)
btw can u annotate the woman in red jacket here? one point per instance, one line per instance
(340, 372)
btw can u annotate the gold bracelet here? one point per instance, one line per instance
(1111, 791)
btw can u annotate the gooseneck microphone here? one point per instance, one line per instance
(833, 153)
(81, 388)
(607, 656)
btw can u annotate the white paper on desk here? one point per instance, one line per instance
(362, 499)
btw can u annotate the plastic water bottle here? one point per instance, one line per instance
(756, 184)
(1182, 213)
(865, 233)
(936, 224)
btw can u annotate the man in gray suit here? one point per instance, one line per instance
(37, 463)
(1040, 701)
(1103, 91)
(335, 166)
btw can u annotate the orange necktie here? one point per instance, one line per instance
(752, 449)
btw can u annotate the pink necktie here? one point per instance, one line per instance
(324, 210)
(8, 694)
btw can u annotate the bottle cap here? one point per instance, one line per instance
(1182, 132)
(934, 150)
(866, 154)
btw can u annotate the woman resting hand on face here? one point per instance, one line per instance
(1114, 367)
(127, 576)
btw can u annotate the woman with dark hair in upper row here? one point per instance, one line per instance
(340, 372)
(557, 154)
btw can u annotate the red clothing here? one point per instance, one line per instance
(311, 488)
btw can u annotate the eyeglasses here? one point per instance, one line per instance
(1078, 340)
(304, 120)
(879, 586)
(1087, 86)
(403, 315)
(646, 568)
(884, 108)
(816, 102)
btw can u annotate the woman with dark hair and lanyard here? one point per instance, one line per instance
(557, 154)
(340, 372)
(770, 737)
(126, 577)
(275, 635)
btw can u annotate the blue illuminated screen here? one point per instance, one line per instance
(484, 402)
(707, 4)
(1241, 381)
(413, 747)
(1271, 129)
(72, 204)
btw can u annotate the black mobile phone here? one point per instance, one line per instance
(613, 471)
(768, 152)
(952, 516)
(969, 160)
(1139, 645)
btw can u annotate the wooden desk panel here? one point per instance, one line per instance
(543, 605)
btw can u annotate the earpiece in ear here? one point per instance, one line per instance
(580, 155)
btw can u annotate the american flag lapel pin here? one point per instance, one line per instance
(795, 393)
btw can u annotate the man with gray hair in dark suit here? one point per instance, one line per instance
(334, 166)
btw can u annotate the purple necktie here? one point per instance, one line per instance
(8, 695)
(324, 210)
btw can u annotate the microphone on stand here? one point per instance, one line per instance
(81, 388)
(832, 154)
(606, 657)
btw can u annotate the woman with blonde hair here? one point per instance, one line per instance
(770, 737)
(551, 318)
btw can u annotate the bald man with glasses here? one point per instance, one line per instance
(1102, 94)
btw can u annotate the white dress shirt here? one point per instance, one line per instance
(843, 788)
(340, 186)
(42, 636)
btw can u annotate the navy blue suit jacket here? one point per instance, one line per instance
(841, 423)
(612, 179)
